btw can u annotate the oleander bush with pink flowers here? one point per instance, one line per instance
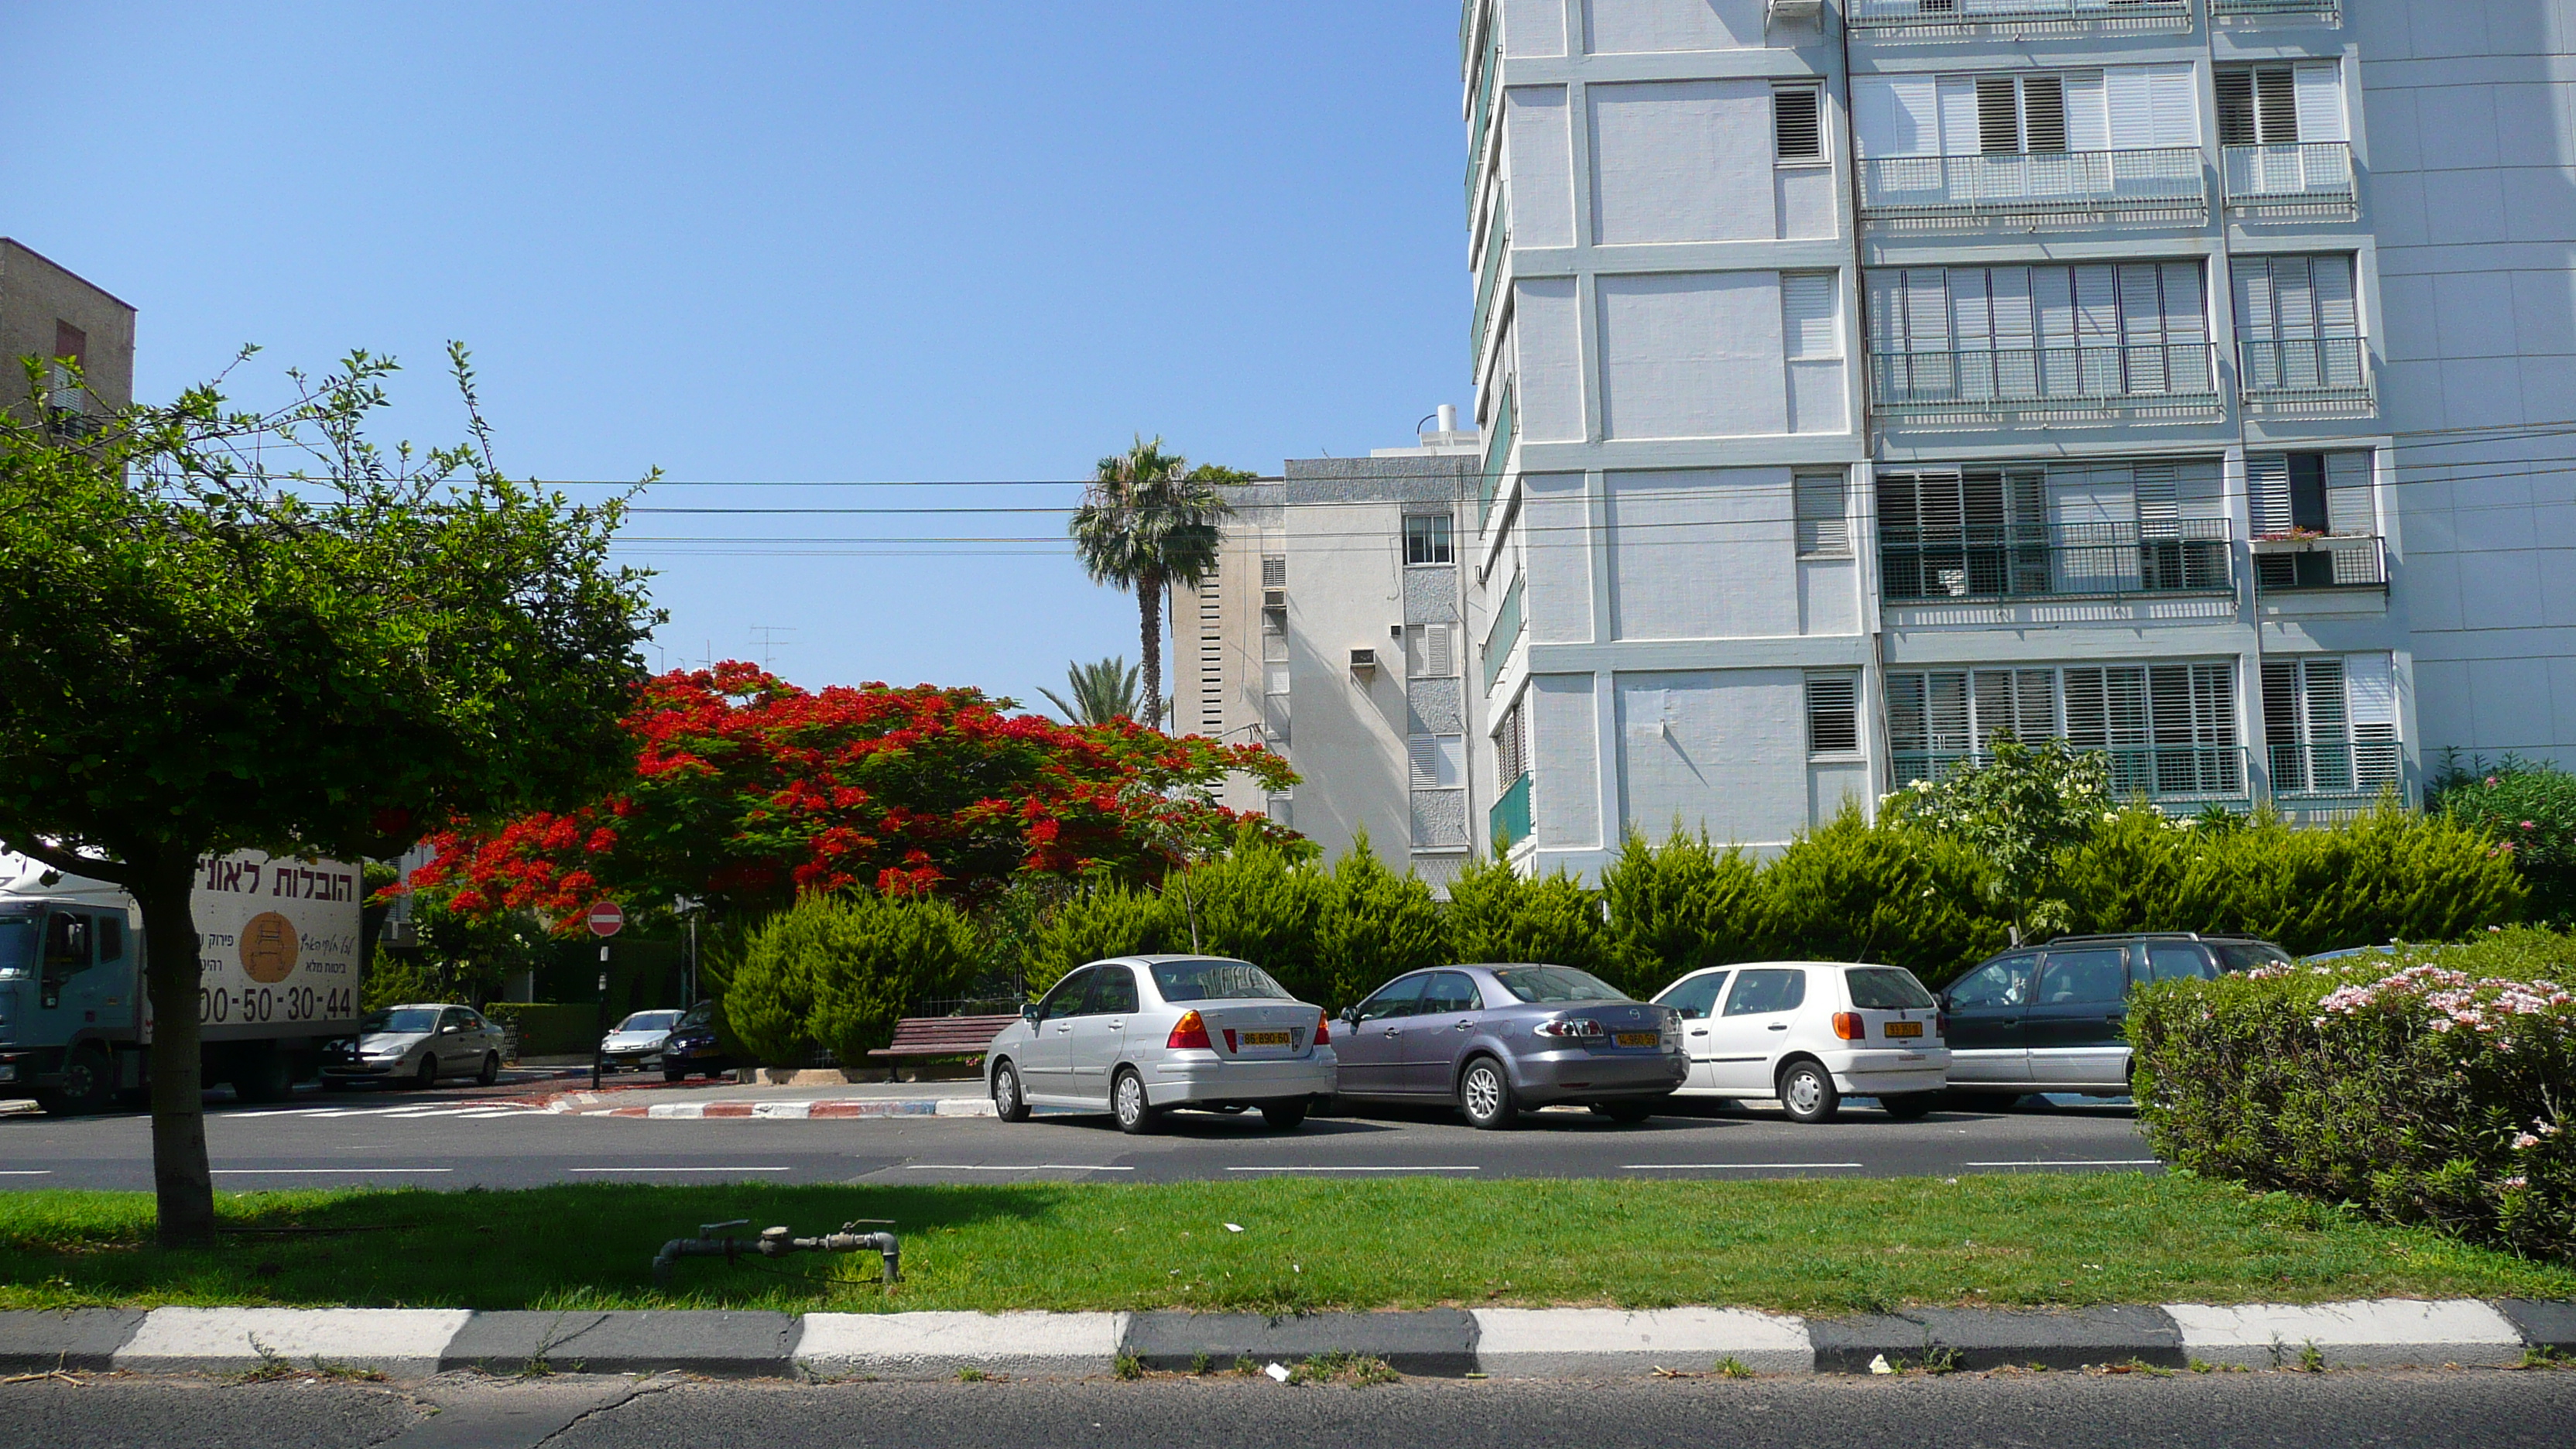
(2429, 1085)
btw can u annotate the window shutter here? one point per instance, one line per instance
(1906, 725)
(2035, 704)
(1958, 100)
(1833, 714)
(2337, 313)
(2319, 100)
(1424, 752)
(2235, 107)
(2348, 501)
(1824, 530)
(2043, 104)
(2371, 682)
(2183, 303)
(2158, 506)
(2199, 490)
(1998, 116)
(1807, 315)
(2088, 128)
(2130, 102)
(1884, 318)
(1897, 115)
(1441, 656)
(1947, 715)
(1796, 128)
(2267, 491)
(2174, 100)
(1971, 323)
(1927, 310)
(2097, 306)
(1274, 572)
(2257, 315)
(2276, 115)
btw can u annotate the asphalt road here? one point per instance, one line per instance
(467, 1138)
(2457, 1409)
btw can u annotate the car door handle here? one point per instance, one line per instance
(1699, 1031)
(1064, 1026)
(1779, 1026)
(1117, 1021)
(1390, 1031)
(1462, 1026)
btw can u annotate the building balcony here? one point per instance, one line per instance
(2024, 16)
(1509, 820)
(2073, 560)
(2335, 775)
(2329, 11)
(1489, 277)
(1926, 193)
(2290, 179)
(2297, 564)
(2306, 375)
(1993, 387)
(2161, 774)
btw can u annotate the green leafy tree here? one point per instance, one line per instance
(1149, 521)
(223, 629)
(1677, 907)
(1102, 690)
(2019, 811)
(1376, 925)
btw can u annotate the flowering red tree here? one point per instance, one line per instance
(748, 790)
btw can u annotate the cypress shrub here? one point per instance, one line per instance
(769, 992)
(1376, 925)
(1106, 920)
(1854, 891)
(1494, 915)
(2389, 874)
(877, 956)
(1677, 907)
(1259, 903)
(2423, 1086)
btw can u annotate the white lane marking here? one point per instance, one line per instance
(1014, 1167)
(1716, 1166)
(2081, 1162)
(26, 1172)
(318, 1171)
(497, 1112)
(1423, 1169)
(679, 1169)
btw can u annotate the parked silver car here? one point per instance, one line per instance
(1140, 1035)
(1495, 1039)
(416, 1044)
(637, 1041)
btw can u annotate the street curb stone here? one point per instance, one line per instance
(2543, 1325)
(937, 1345)
(716, 1343)
(1551, 1342)
(402, 1342)
(75, 1340)
(1985, 1338)
(1440, 1342)
(2381, 1332)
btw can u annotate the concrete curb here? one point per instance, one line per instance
(585, 1104)
(1504, 1342)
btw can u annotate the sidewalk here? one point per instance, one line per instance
(1505, 1342)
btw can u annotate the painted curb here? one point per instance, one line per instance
(2544, 1325)
(1985, 1338)
(1561, 1342)
(401, 1342)
(1439, 1343)
(74, 1340)
(2378, 1332)
(716, 1343)
(804, 1111)
(937, 1345)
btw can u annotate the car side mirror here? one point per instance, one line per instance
(1350, 1016)
(1029, 1011)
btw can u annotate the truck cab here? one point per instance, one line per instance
(69, 980)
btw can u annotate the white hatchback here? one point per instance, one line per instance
(1140, 1035)
(1808, 1033)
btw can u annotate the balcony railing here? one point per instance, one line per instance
(2166, 774)
(1509, 821)
(2330, 9)
(2293, 176)
(2305, 372)
(1488, 284)
(2070, 379)
(2352, 772)
(1506, 633)
(1481, 124)
(2178, 556)
(1881, 14)
(1498, 454)
(2167, 180)
(2285, 566)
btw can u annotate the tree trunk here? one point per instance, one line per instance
(181, 1182)
(1149, 608)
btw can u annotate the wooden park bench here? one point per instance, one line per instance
(939, 1036)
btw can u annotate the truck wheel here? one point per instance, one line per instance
(263, 1075)
(88, 1084)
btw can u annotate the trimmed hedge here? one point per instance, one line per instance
(2425, 1086)
(550, 1029)
(834, 973)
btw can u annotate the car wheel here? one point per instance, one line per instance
(675, 1074)
(427, 1076)
(264, 1076)
(1908, 1106)
(1485, 1095)
(1807, 1092)
(1625, 1112)
(1285, 1116)
(1008, 1104)
(1136, 1112)
(491, 1069)
(86, 1087)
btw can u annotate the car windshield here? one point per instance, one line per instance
(418, 1019)
(1886, 988)
(698, 1015)
(1556, 983)
(17, 938)
(2246, 955)
(649, 1021)
(1214, 981)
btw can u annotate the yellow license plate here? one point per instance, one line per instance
(1266, 1038)
(1904, 1028)
(1641, 1038)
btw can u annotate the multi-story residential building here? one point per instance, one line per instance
(1860, 379)
(50, 313)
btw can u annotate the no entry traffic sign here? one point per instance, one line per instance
(606, 919)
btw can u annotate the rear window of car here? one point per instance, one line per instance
(2246, 955)
(1556, 983)
(1886, 988)
(1215, 981)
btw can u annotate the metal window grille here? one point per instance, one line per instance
(1833, 714)
(1797, 125)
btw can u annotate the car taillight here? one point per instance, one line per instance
(1577, 1028)
(1323, 1030)
(1941, 1023)
(1849, 1026)
(1189, 1031)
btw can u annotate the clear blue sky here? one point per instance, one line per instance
(948, 241)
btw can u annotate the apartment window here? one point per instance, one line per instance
(1797, 124)
(1426, 538)
(1824, 527)
(1812, 338)
(1439, 762)
(2019, 115)
(2319, 493)
(2280, 105)
(2118, 108)
(2330, 724)
(1511, 746)
(71, 360)
(1430, 651)
(1833, 714)
(2169, 729)
(2298, 324)
(1958, 535)
(2018, 334)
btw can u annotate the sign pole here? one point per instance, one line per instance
(606, 920)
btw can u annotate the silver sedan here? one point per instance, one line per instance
(1140, 1035)
(415, 1044)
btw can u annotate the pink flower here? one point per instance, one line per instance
(2525, 1142)
(2516, 1184)
(2491, 782)
(2527, 825)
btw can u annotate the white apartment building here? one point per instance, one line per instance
(2182, 377)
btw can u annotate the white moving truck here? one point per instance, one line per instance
(277, 953)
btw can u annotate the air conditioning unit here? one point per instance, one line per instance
(1803, 11)
(1363, 662)
(1274, 598)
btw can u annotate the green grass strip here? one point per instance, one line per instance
(1804, 1246)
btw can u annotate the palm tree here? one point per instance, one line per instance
(1147, 522)
(1101, 692)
